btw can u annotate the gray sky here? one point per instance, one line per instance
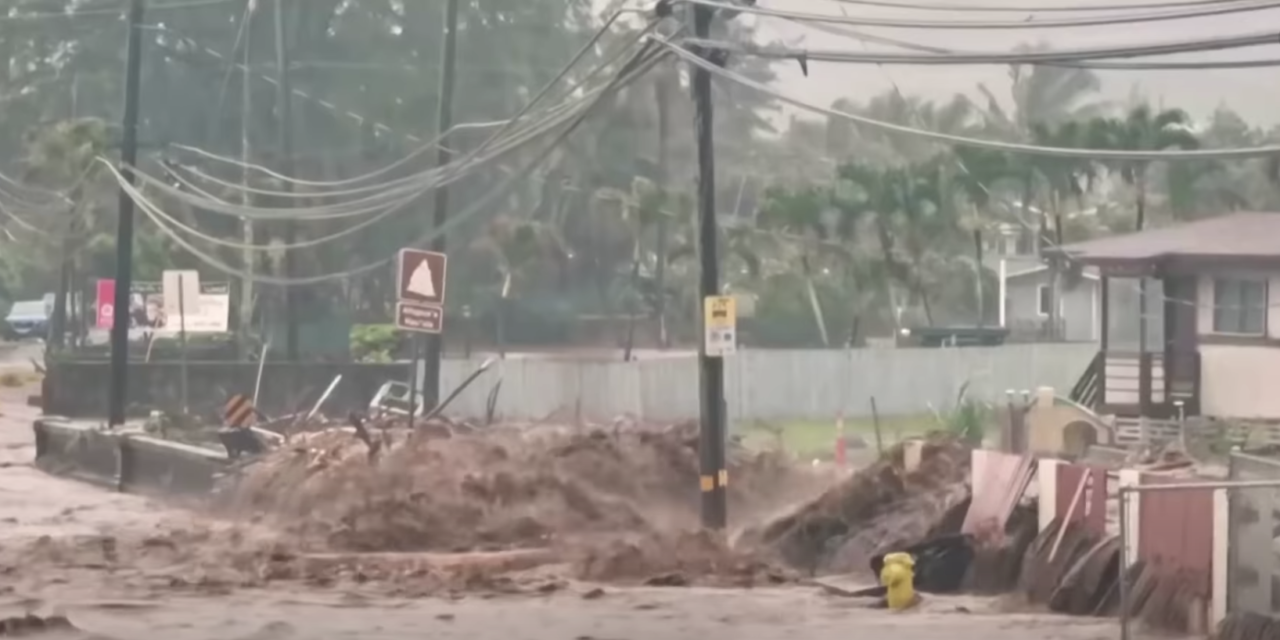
(1254, 93)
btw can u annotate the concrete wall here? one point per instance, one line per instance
(761, 384)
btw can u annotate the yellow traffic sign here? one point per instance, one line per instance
(720, 325)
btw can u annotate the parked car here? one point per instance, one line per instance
(27, 319)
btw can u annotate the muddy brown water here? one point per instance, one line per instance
(58, 554)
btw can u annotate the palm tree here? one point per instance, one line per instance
(910, 210)
(643, 210)
(1142, 129)
(1044, 95)
(65, 155)
(804, 215)
(520, 250)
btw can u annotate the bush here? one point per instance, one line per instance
(374, 342)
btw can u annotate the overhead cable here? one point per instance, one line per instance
(392, 193)
(502, 125)
(893, 23)
(1076, 8)
(81, 13)
(1005, 57)
(965, 141)
(1103, 65)
(642, 62)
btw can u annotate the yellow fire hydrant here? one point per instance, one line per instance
(898, 577)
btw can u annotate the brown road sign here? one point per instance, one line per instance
(420, 276)
(238, 411)
(423, 318)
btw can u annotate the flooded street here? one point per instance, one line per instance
(58, 554)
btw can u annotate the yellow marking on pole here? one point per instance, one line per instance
(708, 483)
(724, 477)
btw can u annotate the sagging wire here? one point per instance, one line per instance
(561, 112)
(1010, 147)
(1102, 65)
(1016, 57)
(891, 23)
(970, 8)
(641, 63)
(406, 188)
(429, 145)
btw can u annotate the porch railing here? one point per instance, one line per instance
(1131, 384)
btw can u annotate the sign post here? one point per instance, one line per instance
(420, 286)
(181, 293)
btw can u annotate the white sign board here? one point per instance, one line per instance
(181, 291)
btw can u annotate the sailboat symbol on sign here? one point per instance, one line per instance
(421, 281)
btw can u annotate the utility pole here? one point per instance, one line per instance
(662, 95)
(284, 105)
(246, 109)
(711, 441)
(444, 122)
(119, 388)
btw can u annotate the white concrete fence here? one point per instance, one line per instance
(772, 384)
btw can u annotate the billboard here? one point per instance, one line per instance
(147, 308)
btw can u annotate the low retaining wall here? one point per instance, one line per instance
(129, 462)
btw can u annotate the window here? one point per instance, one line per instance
(1240, 305)
(1045, 299)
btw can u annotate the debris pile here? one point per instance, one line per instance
(609, 500)
(881, 507)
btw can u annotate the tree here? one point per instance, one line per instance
(1142, 129)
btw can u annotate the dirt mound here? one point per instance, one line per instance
(677, 560)
(496, 489)
(879, 506)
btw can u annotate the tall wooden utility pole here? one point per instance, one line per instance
(444, 122)
(284, 105)
(246, 110)
(711, 441)
(119, 386)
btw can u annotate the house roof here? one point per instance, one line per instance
(1236, 236)
(1089, 274)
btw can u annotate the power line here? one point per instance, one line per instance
(891, 23)
(970, 8)
(504, 125)
(964, 141)
(641, 63)
(1102, 65)
(1017, 57)
(80, 13)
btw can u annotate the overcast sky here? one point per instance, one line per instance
(1254, 93)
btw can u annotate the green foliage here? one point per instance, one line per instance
(374, 342)
(969, 419)
(837, 230)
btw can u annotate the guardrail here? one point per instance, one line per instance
(124, 461)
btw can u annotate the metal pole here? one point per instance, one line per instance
(284, 99)
(444, 121)
(246, 108)
(182, 342)
(119, 387)
(1124, 564)
(415, 345)
(711, 441)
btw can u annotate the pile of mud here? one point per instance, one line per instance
(879, 508)
(613, 500)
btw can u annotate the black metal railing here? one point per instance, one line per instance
(1087, 390)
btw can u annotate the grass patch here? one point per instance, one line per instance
(13, 379)
(816, 438)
